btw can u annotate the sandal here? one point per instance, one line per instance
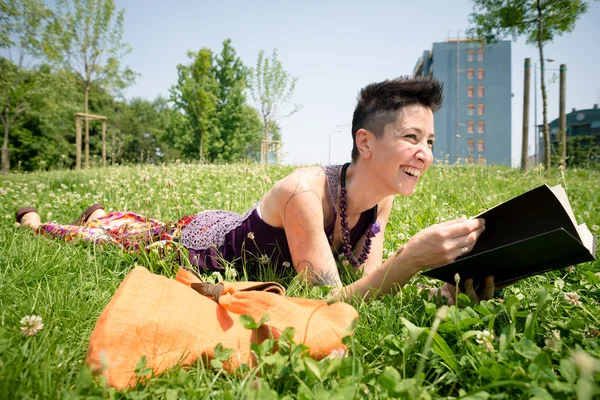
(82, 219)
(20, 213)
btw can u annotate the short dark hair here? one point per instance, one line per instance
(378, 103)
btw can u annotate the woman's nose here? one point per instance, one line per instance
(425, 155)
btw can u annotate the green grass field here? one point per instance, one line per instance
(540, 341)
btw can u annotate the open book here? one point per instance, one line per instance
(527, 235)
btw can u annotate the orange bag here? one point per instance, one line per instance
(169, 322)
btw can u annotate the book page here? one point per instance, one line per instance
(587, 239)
(561, 195)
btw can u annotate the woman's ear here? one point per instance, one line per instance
(363, 142)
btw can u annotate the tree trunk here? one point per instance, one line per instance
(525, 143)
(112, 148)
(87, 128)
(103, 143)
(77, 143)
(5, 159)
(562, 116)
(200, 149)
(267, 141)
(543, 86)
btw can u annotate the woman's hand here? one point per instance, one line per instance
(485, 292)
(442, 243)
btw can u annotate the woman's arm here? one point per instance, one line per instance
(301, 209)
(437, 245)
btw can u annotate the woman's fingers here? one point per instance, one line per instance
(482, 293)
(443, 243)
(488, 289)
(465, 227)
(470, 291)
(467, 241)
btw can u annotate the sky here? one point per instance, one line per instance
(335, 48)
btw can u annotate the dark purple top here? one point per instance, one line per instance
(269, 241)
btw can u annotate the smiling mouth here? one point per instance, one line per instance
(414, 173)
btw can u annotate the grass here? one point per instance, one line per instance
(533, 343)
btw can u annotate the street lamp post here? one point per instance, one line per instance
(331, 133)
(535, 128)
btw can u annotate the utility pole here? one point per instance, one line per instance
(562, 117)
(526, 90)
(535, 128)
(457, 95)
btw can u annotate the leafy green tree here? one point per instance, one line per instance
(238, 125)
(21, 28)
(86, 39)
(540, 21)
(271, 88)
(195, 95)
(22, 23)
(17, 97)
(179, 136)
(142, 126)
(44, 135)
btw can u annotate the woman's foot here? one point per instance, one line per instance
(93, 212)
(97, 214)
(28, 217)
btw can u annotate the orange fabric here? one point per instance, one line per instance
(169, 322)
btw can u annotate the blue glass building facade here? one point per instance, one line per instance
(474, 123)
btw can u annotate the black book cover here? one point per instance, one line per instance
(524, 236)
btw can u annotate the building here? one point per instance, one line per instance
(579, 123)
(474, 123)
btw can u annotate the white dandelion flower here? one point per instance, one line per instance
(573, 298)
(31, 325)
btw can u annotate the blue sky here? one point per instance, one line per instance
(335, 48)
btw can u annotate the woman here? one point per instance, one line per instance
(317, 214)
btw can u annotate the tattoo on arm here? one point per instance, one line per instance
(321, 278)
(302, 217)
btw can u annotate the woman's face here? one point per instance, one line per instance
(404, 152)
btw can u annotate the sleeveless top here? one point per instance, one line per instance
(216, 235)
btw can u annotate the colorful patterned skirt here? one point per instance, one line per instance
(127, 230)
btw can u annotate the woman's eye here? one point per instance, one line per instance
(414, 137)
(430, 142)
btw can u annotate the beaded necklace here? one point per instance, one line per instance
(371, 232)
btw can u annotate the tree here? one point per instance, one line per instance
(142, 125)
(17, 95)
(21, 26)
(238, 124)
(539, 20)
(271, 88)
(195, 95)
(86, 38)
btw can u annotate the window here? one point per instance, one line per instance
(480, 109)
(470, 160)
(480, 126)
(480, 145)
(470, 91)
(480, 73)
(470, 145)
(480, 55)
(470, 109)
(481, 160)
(480, 91)
(470, 127)
(470, 55)
(470, 73)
